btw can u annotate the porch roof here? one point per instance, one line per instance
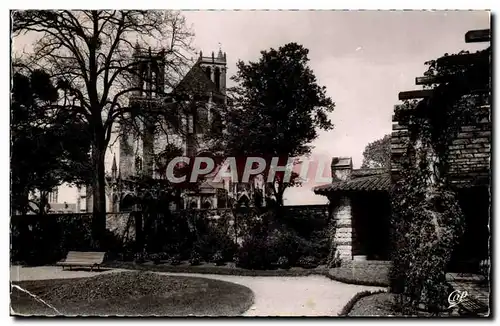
(377, 182)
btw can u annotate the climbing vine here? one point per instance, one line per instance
(427, 219)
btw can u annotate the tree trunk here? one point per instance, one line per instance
(139, 234)
(44, 201)
(98, 196)
(279, 197)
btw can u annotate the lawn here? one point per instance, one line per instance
(361, 275)
(383, 305)
(132, 294)
(210, 268)
(379, 304)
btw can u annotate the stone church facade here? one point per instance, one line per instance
(195, 102)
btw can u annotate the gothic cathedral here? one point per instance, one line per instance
(194, 102)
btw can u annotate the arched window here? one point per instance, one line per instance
(217, 78)
(208, 72)
(207, 205)
(127, 203)
(193, 205)
(201, 120)
(138, 164)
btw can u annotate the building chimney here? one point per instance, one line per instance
(341, 168)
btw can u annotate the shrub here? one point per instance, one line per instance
(284, 243)
(289, 244)
(140, 257)
(163, 255)
(255, 253)
(195, 259)
(236, 259)
(127, 255)
(335, 260)
(213, 241)
(218, 259)
(175, 260)
(156, 258)
(283, 263)
(262, 252)
(427, 227)
(308, 262)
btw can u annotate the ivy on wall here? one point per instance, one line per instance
(427, 219)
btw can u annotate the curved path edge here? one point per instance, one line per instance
(286, 296)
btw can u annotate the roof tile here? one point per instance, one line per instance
(377, 182)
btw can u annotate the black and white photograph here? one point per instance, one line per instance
(250, 163)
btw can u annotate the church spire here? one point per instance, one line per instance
(220, 55)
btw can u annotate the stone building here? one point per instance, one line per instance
(194, 101)
(360, 198)
(360, 203)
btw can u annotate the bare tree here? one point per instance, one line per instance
(90, 52)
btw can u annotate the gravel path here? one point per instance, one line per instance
(274, 296)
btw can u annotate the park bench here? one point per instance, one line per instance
(83, 259)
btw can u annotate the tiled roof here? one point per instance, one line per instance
(377, 182)
(366, 172)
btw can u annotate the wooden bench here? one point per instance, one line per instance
(83, 259)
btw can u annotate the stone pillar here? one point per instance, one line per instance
(341, 210)
(223, 80)
(212, 74)
(343, 233)
(209, 108)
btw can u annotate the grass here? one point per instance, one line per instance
(132, 294)
(384, 305)
(358, 296)
(373, 305)
(208, 268)
(349, 275)
(360, 276)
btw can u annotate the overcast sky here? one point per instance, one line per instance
(364, 58)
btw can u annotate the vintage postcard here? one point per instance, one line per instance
(307, 163)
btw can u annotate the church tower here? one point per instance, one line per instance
(137, 146)
(215, 68)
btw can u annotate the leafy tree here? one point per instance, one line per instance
(377, 154)
(276, 108)
(48, 146)
(90, 51)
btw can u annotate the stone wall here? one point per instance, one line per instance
(341, 212)
(122, 225)
(471, 151)
(469, 154)
(400, 137)
(239, 220)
